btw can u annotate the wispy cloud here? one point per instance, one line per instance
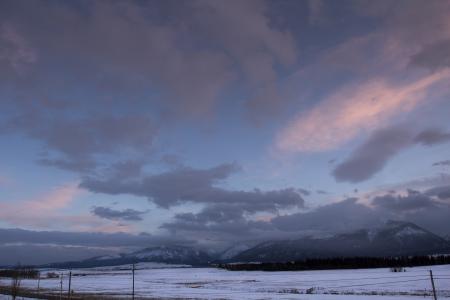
(353, 110)
(47, 212)
(113, 214)
(370, 157)
(41, 210)
(442, 163)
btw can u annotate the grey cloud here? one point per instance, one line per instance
(88, 239)
(434, 219)
(143, 63)
(226, 222)
(218, 213)
(75, 165)
(442, 163)
(15, 52)
(434, 56)
(341, 216)
(127, 169)
(199, 186)
(226, 214)
(410, 21)
(73, 143)
(30, 254)
(223, 217)
(112, 214)
(432, 137)
(423, 208)
(442, 192)
(167, 188)
(412, 201)
(202, 47)
(370, 157)
(322, 192)
(258, 48)
(39, 247)
(304, 192)
(316, 8)
(223, 224)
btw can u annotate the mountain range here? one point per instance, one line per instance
(394, 238)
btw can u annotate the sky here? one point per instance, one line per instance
(210, 123)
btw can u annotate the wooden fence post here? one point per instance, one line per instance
(132, 294)
(60, 287)
(70, 284)
(432, 284)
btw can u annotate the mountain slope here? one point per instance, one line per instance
(179, 255)
(233, 251)
(393, 239)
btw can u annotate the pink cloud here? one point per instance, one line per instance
(353, 110)
(360, 107)
(40, 210)
(89, 223)
(46, 212)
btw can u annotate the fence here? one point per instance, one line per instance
(435, 284)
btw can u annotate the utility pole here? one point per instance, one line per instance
(132, 294)
(60, 287)
(69, 292)
(432, 284)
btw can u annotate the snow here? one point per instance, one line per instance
(409, 231)
(164, 252)
(211, 283)
(5, 297)
(139, 266)
(371, 234)
(155, 253)
(235, 250)
(106, 257)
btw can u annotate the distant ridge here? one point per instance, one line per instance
(394, 238)
(178, 255)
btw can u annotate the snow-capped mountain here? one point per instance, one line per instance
(171, 254)
(392, 239)
(406, 236)
(233, 251)
(178, 255)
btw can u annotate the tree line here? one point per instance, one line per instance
(340, 263)
(20, 272)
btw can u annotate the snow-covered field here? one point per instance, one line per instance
(210, 283)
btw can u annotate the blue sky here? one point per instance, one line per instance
(208, 120)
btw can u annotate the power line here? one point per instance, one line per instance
(363, 278)
(367, 284)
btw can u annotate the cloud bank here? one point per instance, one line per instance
(370, 157)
